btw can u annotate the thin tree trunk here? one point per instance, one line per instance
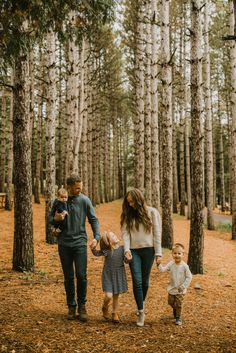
(139, 118)
(167, 184)
(233, 124)
(154, 109)
(3, 143)
(50, 133)
(208, 126)
(147, 120)
(9, 191)
(195, 256)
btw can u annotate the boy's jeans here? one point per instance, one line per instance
(140, 266)
(74, 262)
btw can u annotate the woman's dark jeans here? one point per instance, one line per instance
(74, 261)
(140, 266)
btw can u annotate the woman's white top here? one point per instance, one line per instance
(136, 239)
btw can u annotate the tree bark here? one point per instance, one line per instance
(23, 248)
(195, 256)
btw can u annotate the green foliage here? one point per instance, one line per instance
(25, 21)
(224, 227)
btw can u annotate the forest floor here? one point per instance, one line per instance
(33, 314)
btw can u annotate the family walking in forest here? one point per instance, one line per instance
(141, 234)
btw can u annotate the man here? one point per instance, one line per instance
(72, 245)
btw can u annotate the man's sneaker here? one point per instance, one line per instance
(141, 318)
(71, 313)
(83, 313)
(178, 321)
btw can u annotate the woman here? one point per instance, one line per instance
(141, 231)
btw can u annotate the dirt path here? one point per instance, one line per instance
(33, 311)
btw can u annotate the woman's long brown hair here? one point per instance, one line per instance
(134, 216)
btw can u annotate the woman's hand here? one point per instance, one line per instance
(128, 255)
(158, 260)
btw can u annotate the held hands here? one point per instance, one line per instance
(93, 244)
(158, 260)
(128, 256)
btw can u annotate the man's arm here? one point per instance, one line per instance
(93, 220)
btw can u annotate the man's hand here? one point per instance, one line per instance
(158, 260)
(93, 244)
(59, 216)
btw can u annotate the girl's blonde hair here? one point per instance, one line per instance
(105, 243)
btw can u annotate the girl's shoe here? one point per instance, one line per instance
(115, 318)
(141, 318)
(105, 312)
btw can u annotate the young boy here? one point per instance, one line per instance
(180, 279)
(60, 206)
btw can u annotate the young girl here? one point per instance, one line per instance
(114, 280)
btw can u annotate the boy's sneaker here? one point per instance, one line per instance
(83, 314)
(178, 321)
(71, 313)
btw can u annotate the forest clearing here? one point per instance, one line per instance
(33, 313)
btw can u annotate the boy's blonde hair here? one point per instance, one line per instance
(178, 245)
(62, 191)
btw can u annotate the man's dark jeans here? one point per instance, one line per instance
(74, 261)
(140, 266)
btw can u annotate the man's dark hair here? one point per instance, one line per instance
(72, 179)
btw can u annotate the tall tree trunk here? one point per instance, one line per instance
(23, 249)
(139, 118)
(182, 122)
(3, 143)
(154, 109)
(208, 126)
(233, 123)
(167, 185)
(72, 101)
(9, 191)
(147, 120)
(195, 256)
(188, 172)
(50, 133)
(38, 162)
